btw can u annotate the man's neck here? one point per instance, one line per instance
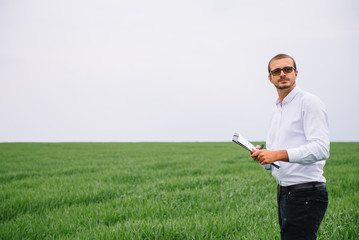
(282, 93)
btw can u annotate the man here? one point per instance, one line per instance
(298, 142)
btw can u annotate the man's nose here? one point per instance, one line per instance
(282, 72)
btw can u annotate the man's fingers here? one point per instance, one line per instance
(255, 154)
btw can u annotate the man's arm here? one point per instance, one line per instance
(268, 157)
(315, 124)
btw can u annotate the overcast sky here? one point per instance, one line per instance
(129, 71)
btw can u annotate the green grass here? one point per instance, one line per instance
(156, 191)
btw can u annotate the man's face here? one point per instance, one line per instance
(283, 80)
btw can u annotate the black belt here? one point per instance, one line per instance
(300, 186)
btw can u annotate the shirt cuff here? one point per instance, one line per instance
(294, 155)
(267, 166)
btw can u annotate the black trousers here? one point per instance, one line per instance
(301, 211)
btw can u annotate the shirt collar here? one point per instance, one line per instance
(290, 96)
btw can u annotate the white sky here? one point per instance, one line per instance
(169, 70)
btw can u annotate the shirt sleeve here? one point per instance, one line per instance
(315, 124)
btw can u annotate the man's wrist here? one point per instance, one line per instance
(282, 155)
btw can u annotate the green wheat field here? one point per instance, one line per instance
(157, 191)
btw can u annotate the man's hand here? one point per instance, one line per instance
(268, 157)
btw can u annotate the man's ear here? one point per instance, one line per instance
(270, 78)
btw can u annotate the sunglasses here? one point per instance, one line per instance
(277, 71)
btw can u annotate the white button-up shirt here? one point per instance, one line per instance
(299, 126)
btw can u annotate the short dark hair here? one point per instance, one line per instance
(281, 56)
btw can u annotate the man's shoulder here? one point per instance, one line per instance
(307, 96)
(308, 99)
